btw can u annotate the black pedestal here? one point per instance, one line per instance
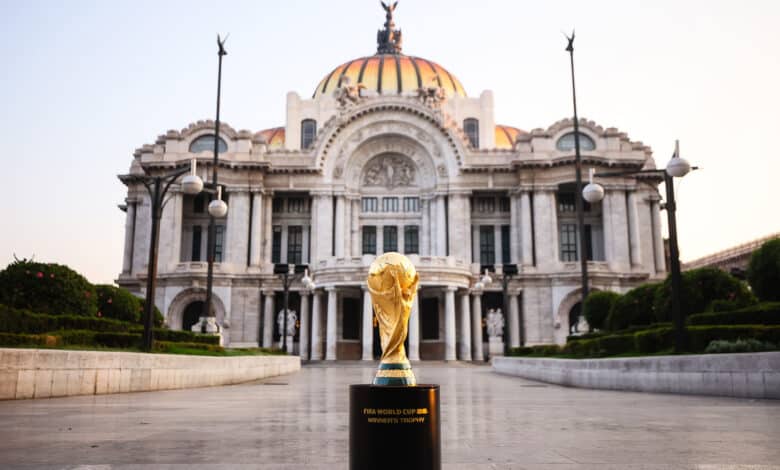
(394, 427)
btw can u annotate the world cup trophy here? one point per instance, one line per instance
(392, 283)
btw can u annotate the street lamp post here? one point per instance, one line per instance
(676, 168)
(288, 273)
(578, 177)
(507, 272)
(158, 187)
(217, 207)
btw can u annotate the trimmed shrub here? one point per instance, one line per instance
(761, 314)
(597, 307)
(738, 346)
(25, 322)
(700, 287)
(46, 288)
(13, 339)
(166, 346)
(699, 337)
(119, 304)
(184, 336)
(633, 308)
(763, 271)
(653, 341)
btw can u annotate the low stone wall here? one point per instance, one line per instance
(748, 375)
(43, 373)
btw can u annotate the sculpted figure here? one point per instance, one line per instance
(292, 318)
(495, 323)
(347, 93)
(392, 283)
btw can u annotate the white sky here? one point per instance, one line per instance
(83, 84)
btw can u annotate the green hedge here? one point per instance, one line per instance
(13, 339)
(761, 314)
(601, 334)
(47, 288)
(25, 322)
(165, 346)
(597, 308)
(634, 308)
(763, 271)
(184, 337)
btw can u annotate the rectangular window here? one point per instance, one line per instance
(485, 204)
(276, 244)
(308, 133)
(429, 310)
(568, 237)
(389, 204)
(503, 204)
(487, 245)
(296, 204)
(369, 240)
(411, 240)
(219, 243)
(294, 244)
(389, 238)
(411, 204)
(505, 250)
(199, 203)
(471, 128)
(566, 202)
(350, 318)
(369, 204)
(196, 241)
(277, 206)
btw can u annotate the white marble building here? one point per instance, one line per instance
(391, 154)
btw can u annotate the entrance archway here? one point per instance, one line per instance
(191, 315)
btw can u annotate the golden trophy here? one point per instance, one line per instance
(392, 283)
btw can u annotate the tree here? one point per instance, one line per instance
(597, 307)
(700, 288)
(633, 308)
(46, 288)
(763, 272)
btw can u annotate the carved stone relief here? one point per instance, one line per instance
(389, 171)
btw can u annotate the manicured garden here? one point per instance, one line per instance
(46, 305)
(722, 314)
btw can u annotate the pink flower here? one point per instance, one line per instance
(86, 294)
(51, 275)
(100, 314)
(110, 301)
(39, 275)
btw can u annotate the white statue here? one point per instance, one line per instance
(495, 323)
(292, 318)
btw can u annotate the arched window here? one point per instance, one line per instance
(308, 133)
(566, 143)
(206, 143)
(471, 128)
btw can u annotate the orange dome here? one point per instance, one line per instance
(391, 74)
(506, 136)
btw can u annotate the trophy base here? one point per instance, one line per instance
(395, 373)
(394, 427)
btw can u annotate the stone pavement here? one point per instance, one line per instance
(300, 421)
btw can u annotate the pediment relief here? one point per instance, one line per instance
(389, 171)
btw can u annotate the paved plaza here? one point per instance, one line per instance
(300, 421)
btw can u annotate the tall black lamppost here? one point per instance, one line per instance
(288, 273)
(676, 168)
(217, 207)
(578, 175)
(507, 272)
(158, 187)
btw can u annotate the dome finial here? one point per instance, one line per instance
(388, 39)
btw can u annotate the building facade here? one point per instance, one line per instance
(391, 154)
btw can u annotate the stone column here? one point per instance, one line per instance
(449, 324)
(658, 240)
(236, 243)
(465, 328)
(268, 319)
(633, 230)
(324, 233)
(340, 226)
(459, 233)
(380, 239)
(425, 228)
(368, 327)
(355, 228)
(127, 260)
(441, 227)
(256, 242)
(170, 233)
(476, 326)
(267, 228)
(414, 329)
(514, 229)
(497, 244)
(514, 320)
(546, 225)
(525, 228)
(316, 327)
(618, 229)
(303, 344)
(330, 333)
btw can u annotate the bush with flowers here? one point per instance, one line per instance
(47, 288)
